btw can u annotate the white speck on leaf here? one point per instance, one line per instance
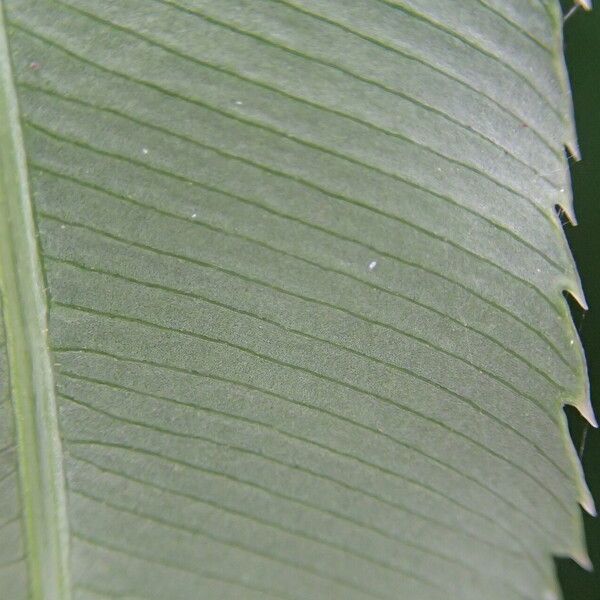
(144, 150)
(194, 215)
(239, 102)
(372, 265)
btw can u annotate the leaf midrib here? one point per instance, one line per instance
(39, 452)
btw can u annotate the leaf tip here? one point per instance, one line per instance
(589, 505)
(584, 561)
(575, 288)
(573, 149)
(587, 412)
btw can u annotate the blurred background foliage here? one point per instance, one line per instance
(582, 46)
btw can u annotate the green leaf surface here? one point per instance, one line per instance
(282, 285)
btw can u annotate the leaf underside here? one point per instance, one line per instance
(304, 285)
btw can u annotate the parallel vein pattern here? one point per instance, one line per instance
(305, 279)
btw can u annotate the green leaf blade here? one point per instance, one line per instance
(305, 294)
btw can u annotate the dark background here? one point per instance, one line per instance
(582, 46)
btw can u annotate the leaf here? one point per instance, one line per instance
(302, 274)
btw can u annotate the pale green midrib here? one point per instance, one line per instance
(41, 475)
